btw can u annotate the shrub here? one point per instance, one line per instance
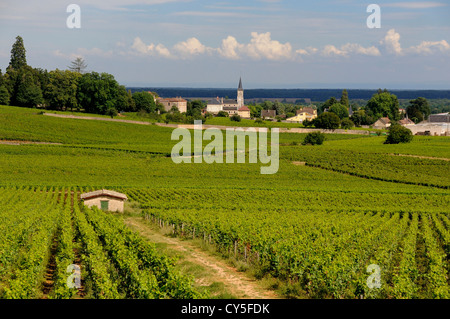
(259, 121)
(235, 117)
(112, 111)
(314, 138)
(398, 134)
(308, 123)
(347, 124)
(222, 114)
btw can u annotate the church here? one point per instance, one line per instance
(230, 106)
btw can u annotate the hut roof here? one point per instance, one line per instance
(103, 192)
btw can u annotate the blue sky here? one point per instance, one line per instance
(270, 43)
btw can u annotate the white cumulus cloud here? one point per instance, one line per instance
(231, 48)
(430, 47)
(191, 47)
(391, 43)
(262, 46)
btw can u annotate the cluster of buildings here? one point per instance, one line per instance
(436, 125)
(230, 106)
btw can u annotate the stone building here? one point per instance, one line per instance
(178, 102)
(106, 200)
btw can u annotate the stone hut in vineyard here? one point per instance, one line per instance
(106, 200)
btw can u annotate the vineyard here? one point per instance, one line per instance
(114, 261)
(314, 228)
(322, 250)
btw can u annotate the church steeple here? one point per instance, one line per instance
(240, 94)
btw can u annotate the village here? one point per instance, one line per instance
(435, 125)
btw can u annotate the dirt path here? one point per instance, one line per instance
(222, 127)
(14, 142)
(236, 283)
(422, 157)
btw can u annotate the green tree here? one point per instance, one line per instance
(29, 93)
(194, 109)
(418, 109)
(18, 54)
(344, 99)
(331, 101)
(268, 105)
(97, 92)
(398, 134)
(340, 110)
(328, 121)
(144, 101)
(384, 104)
(360, 117)
(61, 90)
(255, 110)
(4, 95)
(125, 100)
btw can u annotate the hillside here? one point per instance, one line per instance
(312, 228)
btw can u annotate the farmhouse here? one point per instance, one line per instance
(382, 123)
(105, 200)
(178, 102)
(306, 113)
(268, 114)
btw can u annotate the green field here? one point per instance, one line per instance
(315, 226)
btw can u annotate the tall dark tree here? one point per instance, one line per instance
(18, 54)
(28, 93)
(78, 65)
(4, 95)
(344, 99)
(418, 109)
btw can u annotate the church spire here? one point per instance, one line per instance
(240, 84)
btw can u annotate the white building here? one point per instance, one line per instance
(226, 105)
